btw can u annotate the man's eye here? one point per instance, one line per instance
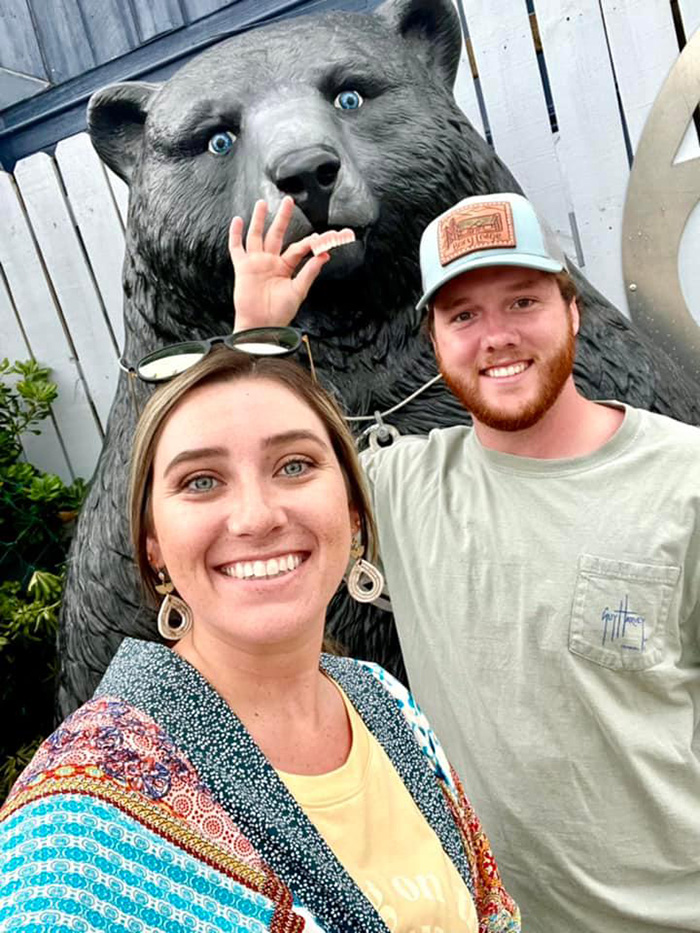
(202, 484)
(523, 303)
(463, 317)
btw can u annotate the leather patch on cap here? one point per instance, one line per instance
(473, 227)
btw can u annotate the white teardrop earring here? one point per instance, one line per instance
(365, 581)
(170, 604)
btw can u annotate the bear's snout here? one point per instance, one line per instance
(309, 175)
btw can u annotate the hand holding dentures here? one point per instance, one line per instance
(268, 289)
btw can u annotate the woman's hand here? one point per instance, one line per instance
(267, 293)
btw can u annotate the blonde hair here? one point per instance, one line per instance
(224, 365)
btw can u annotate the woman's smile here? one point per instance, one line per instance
(262, 568)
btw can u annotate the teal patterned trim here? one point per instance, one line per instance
(418, 721)
(74, 862)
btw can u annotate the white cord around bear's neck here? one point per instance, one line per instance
(380, 434)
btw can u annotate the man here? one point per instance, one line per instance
(544, 568)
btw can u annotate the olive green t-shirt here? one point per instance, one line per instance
(549, 616)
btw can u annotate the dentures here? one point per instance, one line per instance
(323, 242)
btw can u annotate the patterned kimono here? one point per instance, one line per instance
(151, 808)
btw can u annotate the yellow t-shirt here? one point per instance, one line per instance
(370, 821)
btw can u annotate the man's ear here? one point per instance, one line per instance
(575, 316)
(432, 31)
(116, 116)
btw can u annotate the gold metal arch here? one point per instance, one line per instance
(660, 199)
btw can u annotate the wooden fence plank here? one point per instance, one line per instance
(34, 301)
(465, 93)
(590, 145)
(644, 47)
(690, 14)
(45, 449)
(75, 289)
(516, 106)
(19, 48)
(99, 222)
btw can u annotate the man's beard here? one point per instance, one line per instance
(553, 374)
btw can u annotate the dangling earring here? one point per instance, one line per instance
(171, 604)
(357, 587)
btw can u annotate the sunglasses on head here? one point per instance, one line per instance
(169, 362)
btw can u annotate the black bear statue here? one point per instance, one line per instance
(353, 115)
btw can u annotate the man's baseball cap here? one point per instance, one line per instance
(485, 230)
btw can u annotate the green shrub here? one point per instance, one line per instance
(37, 511)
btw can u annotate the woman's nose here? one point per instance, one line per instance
(254, 510)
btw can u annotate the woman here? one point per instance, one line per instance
(234, 777)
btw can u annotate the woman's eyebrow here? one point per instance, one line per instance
(274, 440)
(195, 453)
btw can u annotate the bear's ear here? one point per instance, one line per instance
(116, 116)
(431, 28)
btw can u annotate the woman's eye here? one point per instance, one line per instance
(294, 468)
(202, 484)
(348, 100)
(221, 143)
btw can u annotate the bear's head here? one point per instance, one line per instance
(351, 114)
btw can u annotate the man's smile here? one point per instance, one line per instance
(504, 370)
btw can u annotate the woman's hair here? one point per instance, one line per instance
(222, 365)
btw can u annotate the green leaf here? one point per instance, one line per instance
(45, 488)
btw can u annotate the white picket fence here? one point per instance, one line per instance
(62, 219)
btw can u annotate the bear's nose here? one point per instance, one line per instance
(309, 176)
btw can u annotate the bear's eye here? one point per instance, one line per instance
(221, 143)
(348, 100)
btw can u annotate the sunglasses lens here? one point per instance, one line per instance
(266, 341)
(170, 361)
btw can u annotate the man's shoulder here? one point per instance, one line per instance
(671, 435)
(414, 451)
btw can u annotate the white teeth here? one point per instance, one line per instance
(273, 567)
(498, 372)
(322, 242)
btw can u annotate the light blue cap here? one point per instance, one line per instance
(485, 230)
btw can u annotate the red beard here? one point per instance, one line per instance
(553, 375)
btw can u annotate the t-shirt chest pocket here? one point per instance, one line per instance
(620, 612)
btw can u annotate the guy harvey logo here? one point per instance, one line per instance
(474, 227)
